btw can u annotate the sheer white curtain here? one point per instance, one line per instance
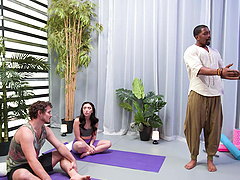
(147, 39)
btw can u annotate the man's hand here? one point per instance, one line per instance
(228, 73)
(73, 165)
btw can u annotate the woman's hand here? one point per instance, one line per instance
(93, 148)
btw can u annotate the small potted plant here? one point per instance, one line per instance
(145, 106)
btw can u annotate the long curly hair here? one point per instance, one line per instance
(93, 118)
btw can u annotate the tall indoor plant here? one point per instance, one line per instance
(145, 105)
(69, 26)
(15, 90)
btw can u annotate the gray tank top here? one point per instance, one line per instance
(85, 132)
(16, 156)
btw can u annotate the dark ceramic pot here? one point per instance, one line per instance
(4, 148)
(146, 133)
(69, 125)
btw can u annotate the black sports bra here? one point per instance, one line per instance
(85, 132)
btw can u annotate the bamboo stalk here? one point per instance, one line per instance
(66, 71)
(72, 67)
(79, 37)
(69, 69)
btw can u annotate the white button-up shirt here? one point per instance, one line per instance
(196, 57)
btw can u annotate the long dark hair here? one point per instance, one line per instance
(93, 118)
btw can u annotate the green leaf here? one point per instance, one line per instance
(125, 94)
(138, 89)
(138, 117)
(137, 106)
(155, 121)
(149, 111)
(126, 106)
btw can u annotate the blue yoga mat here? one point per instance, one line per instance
(132, 160)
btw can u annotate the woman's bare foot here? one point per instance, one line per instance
(85, 154)
(211, 166)
(191, 164)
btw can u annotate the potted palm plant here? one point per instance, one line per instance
(145, 105)
(69, 26)
(15, 90)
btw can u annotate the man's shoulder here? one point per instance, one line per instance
(22, 133)
(191, 48)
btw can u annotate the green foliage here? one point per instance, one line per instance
(15, 91)
(146, 105)
(126, 106)
(70, 26)
(138, 89)
(69, 16)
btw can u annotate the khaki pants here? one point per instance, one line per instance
(203, 112)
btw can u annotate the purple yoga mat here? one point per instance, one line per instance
(54, 176)
(132, 160)
(61, 176)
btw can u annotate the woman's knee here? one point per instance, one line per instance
(108, 143)
(79, 147)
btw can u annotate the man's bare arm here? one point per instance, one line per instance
(25, 137)
(225, 73)
(61, 148)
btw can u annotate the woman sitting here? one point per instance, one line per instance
(85, 131)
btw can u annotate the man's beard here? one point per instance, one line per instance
(208, 42)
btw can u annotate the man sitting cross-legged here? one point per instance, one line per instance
(23, 161)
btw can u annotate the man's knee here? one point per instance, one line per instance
(22, 174)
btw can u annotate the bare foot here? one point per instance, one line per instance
(79, 177)
(191, 164)
(84, 154)
(211, 166)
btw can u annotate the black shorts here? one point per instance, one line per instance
(45, 160)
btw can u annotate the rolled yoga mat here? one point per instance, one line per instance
(236, 137)
(233, 149)
(236, 141)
